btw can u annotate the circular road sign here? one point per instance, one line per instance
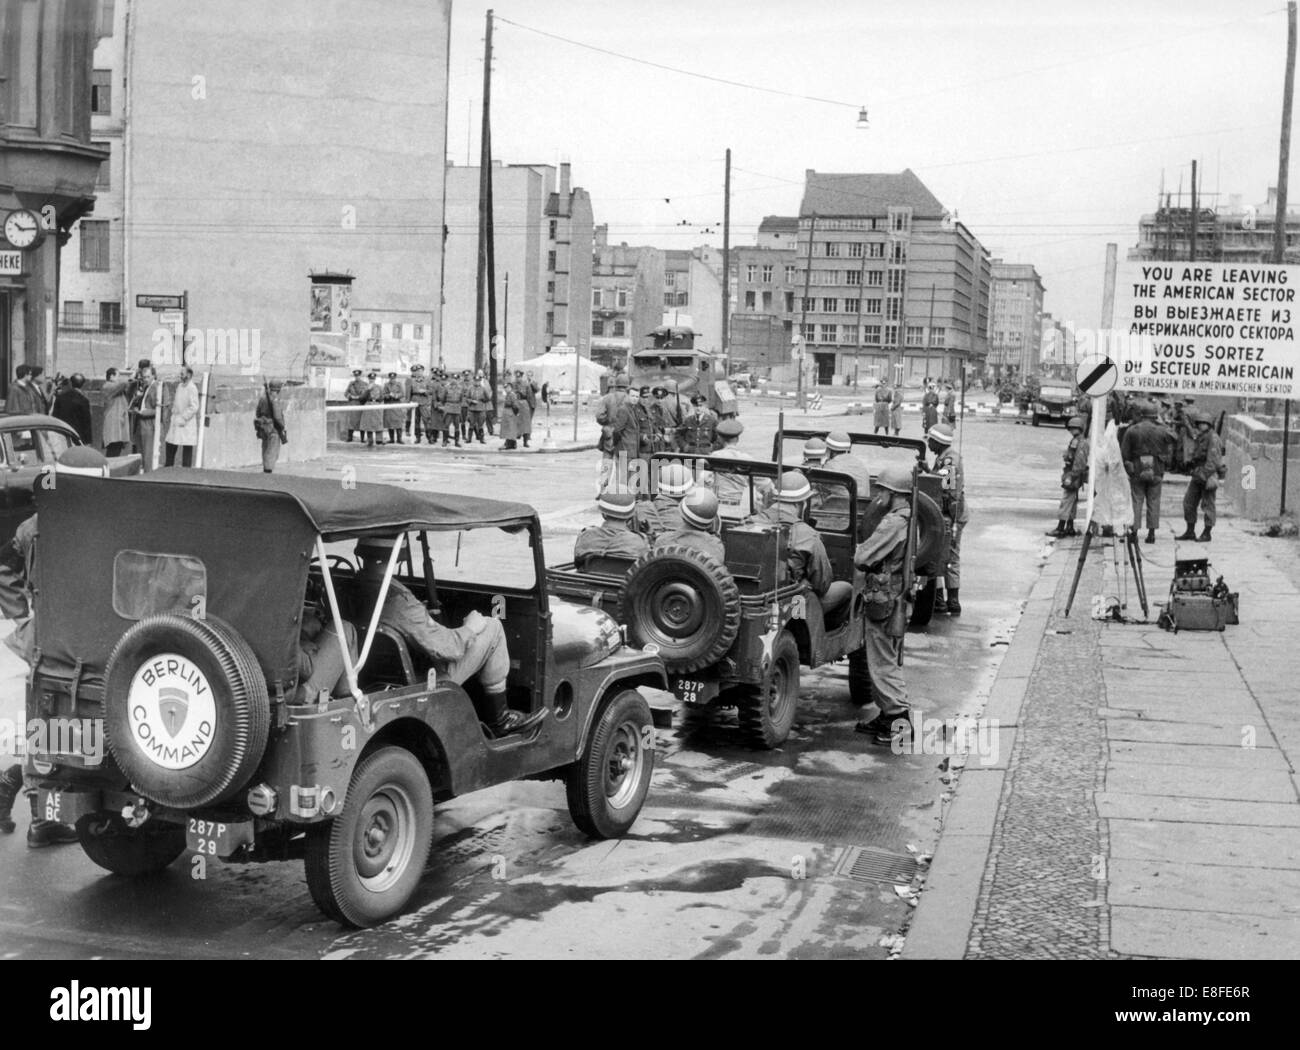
(1097, 375)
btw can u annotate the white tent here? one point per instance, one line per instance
(557, 366)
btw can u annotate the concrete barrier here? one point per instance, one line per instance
(1254, 455)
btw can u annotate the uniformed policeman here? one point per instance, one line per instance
(698, 433)
(667, 418)
(437, 390)
(896, 410)
(664, 512)
(948, 465)
(645, 423)
(880, 414)
(699, 526)
(478, 399)
(1073, 477)
(357, 393)
(394, 418)
(1146, 448)
(881, 557)
(613, 537)
(843, 459)
(422, 396)
(806, 558)
(451, 399)
(1207, 469)
(372, 418)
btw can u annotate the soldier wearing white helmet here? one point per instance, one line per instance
(699, 526)
(1073, 477)
(948, 465)
(806, 558)
(843, 460)
(613, 537)
(664, 513)
(1206, 468)
(881, 557)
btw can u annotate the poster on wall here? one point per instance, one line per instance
(331, 322)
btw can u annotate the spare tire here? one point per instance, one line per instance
(931, 537)
(684, 602)
(186, 710)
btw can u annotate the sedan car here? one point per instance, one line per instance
(28, 444)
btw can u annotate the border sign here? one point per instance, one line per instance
(1097, 375)
(1209, 328)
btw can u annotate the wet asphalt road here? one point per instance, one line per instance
(737, 853)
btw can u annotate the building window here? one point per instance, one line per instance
(374, 331)
(832, 249)
(101, 92)
(791, 274)
(809, 332)
(550, 319)
(104, 177)
(807, 304)
(876, 251)
(668, 298)
(683, 298)
(767, 274)
(670, 279)
(751, 273)
(915, 334)
(356, 329)
(891, 335)
(620, 329)
(851, 305)
(597, 326)
(550, 289)
(848, 333)
(94, 244)
(830, 306)
(830, 333)
(875, 278)
(898, 252)
(938, 336)
(72, 313)
(595, 298)
(622, 298)
(853, 277)
(872, 306)
(789, 302)
(856, 249)
(895, 282)
(110, 317)
(871, 334)
(750, 299)
(899, 221)
(767, 302)
(417, 331)
(789, 330)
(893, 309)
(554, 226)
(397, 331)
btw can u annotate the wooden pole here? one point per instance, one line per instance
(1279, 216)
(803, 318)
(726, 267)
(484, 193)
(1191, 254)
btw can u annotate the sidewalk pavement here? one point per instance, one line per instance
(1144, 802)
(543, 440)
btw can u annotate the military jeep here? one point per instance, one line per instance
(176, 620)
(737, 634)
(882, 450)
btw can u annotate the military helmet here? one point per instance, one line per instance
(616, 505)
(700, 508)
(620, 382)
(1149, 410)
(815, 450)
(895, 479)
(940, 433)
(675, 479)
(1198, 417)
(838, 441)
(1076, 423)
(794, 487)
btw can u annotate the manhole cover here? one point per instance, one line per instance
(873, 864)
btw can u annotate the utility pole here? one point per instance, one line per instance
(1191, 257)
(1279, 216)
(928, 329)
(726, 267)
(803, 318)
(484, 197)
(862, 287)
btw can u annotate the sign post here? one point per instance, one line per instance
(1096, 376)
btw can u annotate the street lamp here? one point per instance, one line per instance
(863, 124)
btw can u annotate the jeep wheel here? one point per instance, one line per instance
(684, 602)
(923, 609)
(112, 845)
(608, 783)
(363, 866)
(766, 712)
(186, 710)
(931, 536)
(860, 691)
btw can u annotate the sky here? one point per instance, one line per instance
(1047, 128)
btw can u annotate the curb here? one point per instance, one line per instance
(582, 446)
(945, 914)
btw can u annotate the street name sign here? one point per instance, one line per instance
(1097, 375)
(160, 302)
(1209, 328)
(11, 263)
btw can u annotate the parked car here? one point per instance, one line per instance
(29, 445)
(176, 620)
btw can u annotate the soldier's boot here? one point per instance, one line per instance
(1070, 529)
(370, 439)
(505, 721)
(1059, 531)
(1151, 536)
(886, 729)
(1190, 533)
(954, 606)
(1204, 537)
(400, 435)
(11, 782)
(347, 435)
(526, 436)
(42, 833)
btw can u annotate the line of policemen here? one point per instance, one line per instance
(456, 407)
(637, 422)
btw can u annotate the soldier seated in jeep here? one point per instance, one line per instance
(477, 647)
(806, 557)
(699, 526)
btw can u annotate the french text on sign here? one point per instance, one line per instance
(1210, 328)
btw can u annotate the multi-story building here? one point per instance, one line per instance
(778, 231)
(49, 164)
(1057, 349)
(1236, 233)
(391, 339)
(1016, 337)
(693, 294)
(763, 285)
(890, 284)
(251, 145)
(626, 298)
(543, 238)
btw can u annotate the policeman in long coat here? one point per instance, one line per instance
(357, 393)
(478, 398)
(896, 410)
(372, 418)
(880, 416)
(437, 390)
(527, 405)
(509, 418)
(450, 400)
(394, 418)
(421, 393)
